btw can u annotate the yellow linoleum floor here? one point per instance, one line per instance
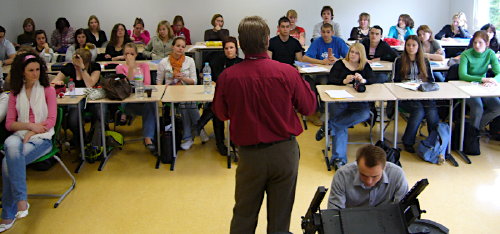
(130, 196)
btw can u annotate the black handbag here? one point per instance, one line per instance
(392, 154)
(428, 87)
(117, 87)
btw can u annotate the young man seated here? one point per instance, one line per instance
(284, 48)
(378, 50)
(368, 182)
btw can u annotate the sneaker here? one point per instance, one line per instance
(320, 134)
(409, 148)
(187, 144)
(337, 163)
(204, 137)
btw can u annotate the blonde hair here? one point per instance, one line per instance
(364, 15)
(292, 13)
(462, 19)
(362, 55)
(96, 19)
(86, 56)
(165, 23)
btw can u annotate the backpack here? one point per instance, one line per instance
(392, 154)
(167, 156)
(433, 148)
(495, 129)
(471, 139)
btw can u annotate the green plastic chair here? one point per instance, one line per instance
(53, 153)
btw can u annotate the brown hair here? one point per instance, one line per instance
(419, 58)
(165, 23)
(139, 21)
(178, 38)
(214, 18)
(96, 19)
(130, 45)
(373, 156)
(253, 35)
(407, 19)
(327, 8)
(230, 39)
(29, 21)
(426, 29)
(364, 15)
(114, 39)
(178, 18)
(327, 25)
(85, 55)
(481, 34)
(17, 71)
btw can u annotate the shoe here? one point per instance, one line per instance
(187, 144)
(337, 163)
(5, 227)
(320, 134)
(409, 148)
(150, 147)
(23, 213)
(222, 149)
(204, 137)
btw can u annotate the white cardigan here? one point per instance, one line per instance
(165, 72)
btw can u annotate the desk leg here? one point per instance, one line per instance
(158, 137)
(382, 123)
(229, 145)
(82, 144)
(396, 117)
(327, 137)
(103, 137)
(448, 153)
(462, 132)
(172, 119)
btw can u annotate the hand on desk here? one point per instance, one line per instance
(488, 82)
(56, 82)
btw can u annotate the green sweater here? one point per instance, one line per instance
(474, 65)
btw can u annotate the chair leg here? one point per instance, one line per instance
(372, 122)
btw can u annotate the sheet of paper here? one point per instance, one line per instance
(409, 85)
(338, 94)
(78, 91)
(375, 64)
(314, 69)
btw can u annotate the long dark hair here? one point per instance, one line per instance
(17, 71)
(114, 39)
(494, 40)
(419, 58)
(62, 23)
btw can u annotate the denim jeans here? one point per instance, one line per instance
(418, 110)
(17, 156)
(483, 110)
(343, 116)
(438, 76)
(147, 111)
(190, 116)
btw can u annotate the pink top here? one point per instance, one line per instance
(143, 38)
(50, 98)
(123, 69)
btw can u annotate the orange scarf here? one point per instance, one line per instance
(176, 63)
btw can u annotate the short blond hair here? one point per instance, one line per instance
(291, 12)
(362, 55)
(165, 23)
(253, 35)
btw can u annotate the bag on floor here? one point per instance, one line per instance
(471, 144)
(167, 156)
(433, 148)
(392, 154)
(495, 129)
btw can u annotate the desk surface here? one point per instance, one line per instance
(476, 90)
(68, 100)
(374, 92)
(382, 66)
(186, 93)
(455, 42)
(155, 97)
(446, 91)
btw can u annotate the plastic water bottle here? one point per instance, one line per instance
(139, 83)
(71, 88)
(207, 79)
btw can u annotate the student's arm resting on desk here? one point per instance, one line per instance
(337, 197)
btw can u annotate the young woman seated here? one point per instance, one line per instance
(119, 37)
(161, 44)
(362, 31)
(432, 49)
(139, 34)
(81, 41)
(43, 48)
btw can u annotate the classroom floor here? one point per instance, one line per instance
(130, 196)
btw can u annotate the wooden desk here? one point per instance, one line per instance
(374, 92)
(140, 49)
(447, 91)
(156, 96)
(76, 100)
(474, 90)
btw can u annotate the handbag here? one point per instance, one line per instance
(428, 87)
(392, 154)
(117, 87)
(94, 93)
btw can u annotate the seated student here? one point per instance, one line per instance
(81, 41)
(28, 36)
(458, 28)
(43, 48)
(362, 31)
(296, 32)
(62, 36)
(219, 62)
(403, 29)
(139, 34)
(178, 69)
(161, 44)
(284, 48)
(413, 66)
(94, 33)
(318, 51)
(432, 48)
(147, 110)
(474, 64)
(354, 68)
(180, 30)
(119, 37)
(370, 181)
(7, 50)
(217, 33)
(377, 49)
(492, 35)
(327, 16)
(31, 116)
(85, 74)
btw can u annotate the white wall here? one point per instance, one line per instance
(467, 7)
(197, 14)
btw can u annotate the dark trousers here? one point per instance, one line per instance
(218, 124)
(271, 170)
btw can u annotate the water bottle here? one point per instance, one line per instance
(139, 83)
(207, 79)
(71, 88)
